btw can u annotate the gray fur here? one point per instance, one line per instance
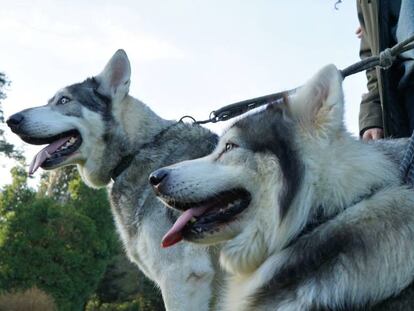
(329, 226)
(86, 94)
(276, 139)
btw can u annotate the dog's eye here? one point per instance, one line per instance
(229, 146)
(63, 100)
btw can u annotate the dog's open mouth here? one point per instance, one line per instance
(204, 216)
(59, 148)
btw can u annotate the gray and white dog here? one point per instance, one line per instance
(110, 135)
(309, 218)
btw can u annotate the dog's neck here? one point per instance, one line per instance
(132, 124)
(139, 128)
(127, 159)
(139, 122)
(332, 186)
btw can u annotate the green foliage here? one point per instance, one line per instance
(3, 83)
(61, 248)
(5, 147)
(148, 298)
(95, 305)
(123, 282)
(62, 240)
(16, 193)
(55, 184)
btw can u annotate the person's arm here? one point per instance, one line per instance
(370, 114)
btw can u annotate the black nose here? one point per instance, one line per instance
(157, 177)
(15, 121)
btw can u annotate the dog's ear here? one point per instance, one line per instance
(319, 104)
(281, 107)
(114, 80)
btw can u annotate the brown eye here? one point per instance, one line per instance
(227, 147)
(63, 100)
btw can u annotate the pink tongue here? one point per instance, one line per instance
(45, 153)
(174, 235)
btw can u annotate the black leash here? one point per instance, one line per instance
(384, 60)
(236, 109)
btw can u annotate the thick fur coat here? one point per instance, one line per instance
(308, 217)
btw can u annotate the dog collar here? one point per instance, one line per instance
(122, 166)
(126, 161)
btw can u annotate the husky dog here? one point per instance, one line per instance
(110, 135)
(308, 217)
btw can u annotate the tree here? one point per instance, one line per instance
(123, 282)
(16, 193)
(5, 147)
(63, 249)
(62, 240)
(55, 184)
(3, 83)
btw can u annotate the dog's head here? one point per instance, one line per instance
(245, 191)
(77, 122)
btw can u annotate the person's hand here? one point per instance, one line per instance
(358, 32)
(373, 133)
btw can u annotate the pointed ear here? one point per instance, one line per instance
(319, 104)
(114, 80)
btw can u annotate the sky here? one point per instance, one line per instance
(188, 57)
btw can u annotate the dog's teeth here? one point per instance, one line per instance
(69, 143)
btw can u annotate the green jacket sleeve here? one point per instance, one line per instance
(370, 114)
